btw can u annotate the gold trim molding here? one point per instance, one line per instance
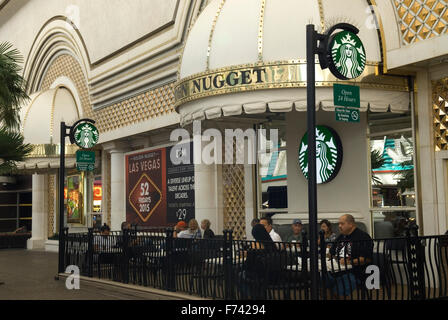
(51, 151)
(275, 75)
(212, 31)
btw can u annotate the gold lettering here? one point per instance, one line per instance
(232, 81)
(218, 83)
(196, 85)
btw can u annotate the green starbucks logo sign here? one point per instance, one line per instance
(348, 56)
(86, 135)
(328, 154)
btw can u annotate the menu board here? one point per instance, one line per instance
(160, 186)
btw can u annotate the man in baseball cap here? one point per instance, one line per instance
(180, 226)
(296, 235)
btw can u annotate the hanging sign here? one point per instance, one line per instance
(347, 115)
(85, 135)
(85, 160)
(346, 96)
(348, 56)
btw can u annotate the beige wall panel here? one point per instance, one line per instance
(349, 191)
(105, 25)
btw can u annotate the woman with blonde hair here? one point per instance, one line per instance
(193, 231)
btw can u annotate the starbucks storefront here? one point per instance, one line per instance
(365, 160)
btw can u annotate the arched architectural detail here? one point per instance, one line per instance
(65, 70)
(56, 38)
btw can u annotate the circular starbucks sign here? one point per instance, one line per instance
(328, 154)
(348, 56)
(86, 135)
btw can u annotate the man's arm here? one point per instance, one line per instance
(365, 249)
(360, 261)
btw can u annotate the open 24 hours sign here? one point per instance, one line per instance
(160, 192)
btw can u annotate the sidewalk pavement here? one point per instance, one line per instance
(30, 275)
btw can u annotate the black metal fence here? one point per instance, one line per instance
(409, 268)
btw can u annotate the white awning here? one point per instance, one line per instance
(286, 100)
(42, 164)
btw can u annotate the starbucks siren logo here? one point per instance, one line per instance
(86, 135)
(328, 154)
(348, 57)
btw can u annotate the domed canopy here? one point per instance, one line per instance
(236, 32)
(248, 56)
(41, 119)
(46, 109)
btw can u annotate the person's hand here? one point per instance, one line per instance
(344, 261)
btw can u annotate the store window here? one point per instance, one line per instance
(97, 202)
(73, 197)
(392, 173)
(272, 168)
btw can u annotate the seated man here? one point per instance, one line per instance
(180, 227)
(267, 223)
(296, 235)
(354, 248)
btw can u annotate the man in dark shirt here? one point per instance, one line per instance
(354, 248)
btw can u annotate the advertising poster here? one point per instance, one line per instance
(159, 192)
(180, 185)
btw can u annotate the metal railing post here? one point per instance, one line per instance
(323, 261)
(170, 270)
(227, 264)
(125, 260)
(305, 270)
(416, 261)
(90, 252)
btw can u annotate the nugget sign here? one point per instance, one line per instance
(158, 192)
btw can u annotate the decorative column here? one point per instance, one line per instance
(40, 212)
(208, 193)
(117, 183)
(105, 185)
(425, 157)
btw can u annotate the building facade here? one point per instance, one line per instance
(143, 69)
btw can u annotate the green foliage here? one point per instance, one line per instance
(377, 161)
(406, 177)
(12, 149)
(12, 96)
(12, 86)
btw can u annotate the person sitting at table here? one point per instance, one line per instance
(262, 237)
(105, 230)
(103, 242)
(193, 231)
(254, 272)
(254, 222)
(125, 226)
(180, 226)
(208, 233)
(267, 223)
(353, 248)
(296, 235)
(329, 235)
